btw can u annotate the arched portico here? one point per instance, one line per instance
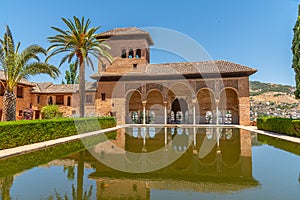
(229, 105)
(155, 107)
(207, 106)
(134, 107)
(179, 111)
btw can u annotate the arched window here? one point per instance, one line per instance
(123, 53)
(50, 101)
(138, 53)
(130, 54)
(69, 101)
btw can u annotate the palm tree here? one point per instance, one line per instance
(17, 66)
(80, 41)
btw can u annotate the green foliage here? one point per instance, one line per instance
(20, 133)
(296, 54)
(79, 40)
(51, 112)
(17, 66)
(71, 75)
(260, 88)
(280, 125)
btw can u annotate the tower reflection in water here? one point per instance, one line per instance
(209, 160)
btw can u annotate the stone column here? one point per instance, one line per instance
(194, 101)
(166, 112)
(144, 112)
(217, 111)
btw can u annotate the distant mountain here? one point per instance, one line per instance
(257, 88)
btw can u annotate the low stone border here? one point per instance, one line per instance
(271, 134)
(32, 147)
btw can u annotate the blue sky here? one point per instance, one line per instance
(256, 33)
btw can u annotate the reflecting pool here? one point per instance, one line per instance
(158, 163)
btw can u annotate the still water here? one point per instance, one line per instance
(158, 163)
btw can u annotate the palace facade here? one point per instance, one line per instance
(136, 91)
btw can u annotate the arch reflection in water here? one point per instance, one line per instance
(207, 144)
(228, 160)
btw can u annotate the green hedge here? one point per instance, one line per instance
(17, 164)
(18, 133)
(280, 125)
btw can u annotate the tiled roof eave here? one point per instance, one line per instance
(148, 76)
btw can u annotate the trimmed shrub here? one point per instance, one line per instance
(280, 125)
(18, 133)
(51, 112)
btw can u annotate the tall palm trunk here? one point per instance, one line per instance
(81, 86)
(80, 174)
(9, 106)
(5, 186)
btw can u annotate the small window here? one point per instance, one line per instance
(60, 99)
(2, 90)
(20, 113)
(69, 101)
(89, 98)
(130, 55)
(103, 96)
(50, 101)
(38, 99)
(138, 53)
(134, 66)
(19, 92)
(123, 53)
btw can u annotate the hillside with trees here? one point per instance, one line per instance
(257, 88)
(268, 99)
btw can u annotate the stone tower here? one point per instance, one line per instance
(130, 48)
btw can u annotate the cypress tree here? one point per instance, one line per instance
(296, 54)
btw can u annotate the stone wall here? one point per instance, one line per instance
(22, 103)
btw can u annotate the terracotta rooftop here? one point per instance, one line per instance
(204, 67)
(187, 69)
(124, 32)
(50, 88)
(23, 81)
